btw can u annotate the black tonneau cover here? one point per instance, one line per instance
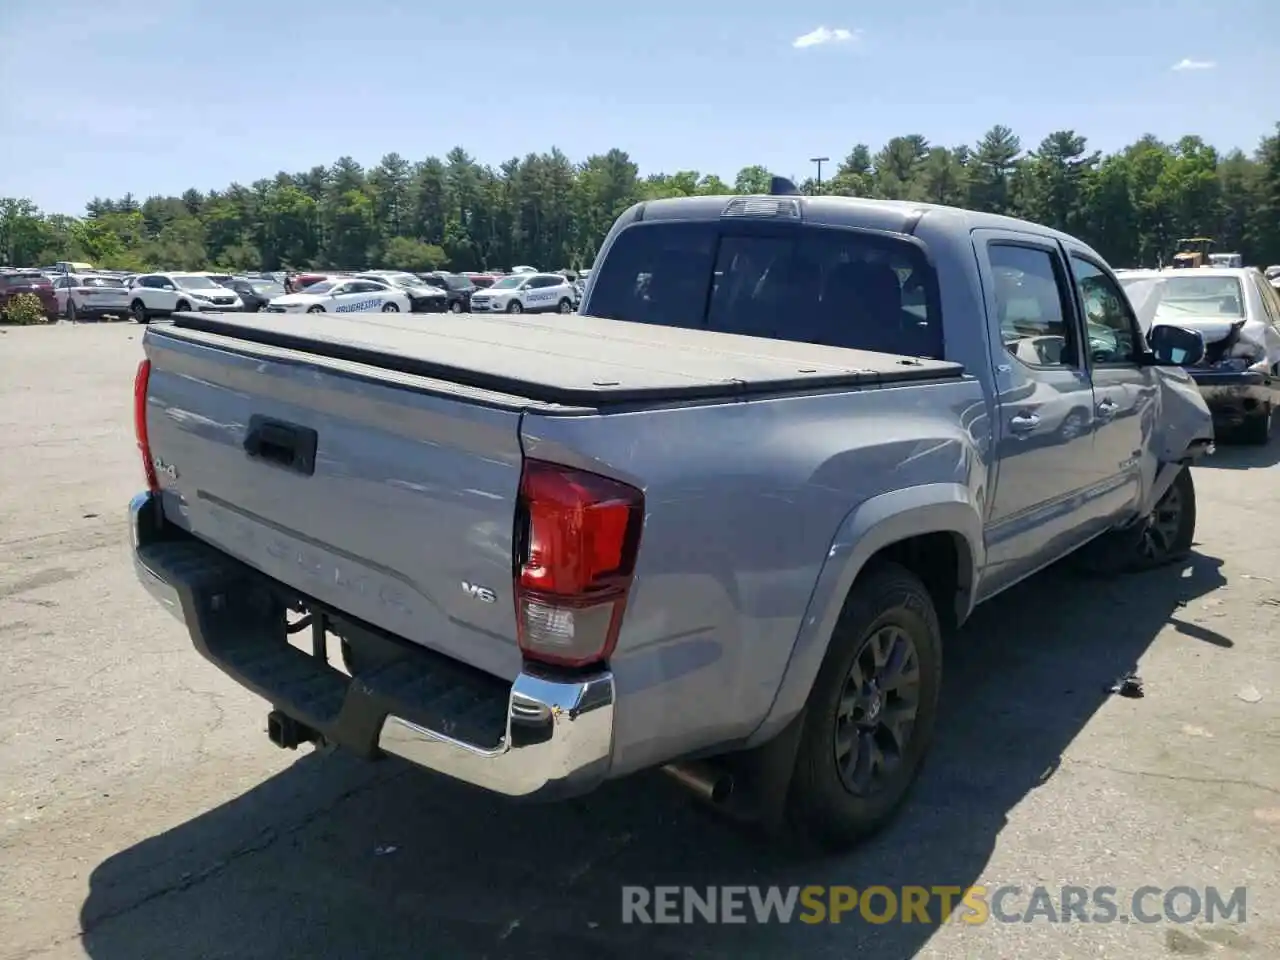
(569, 358)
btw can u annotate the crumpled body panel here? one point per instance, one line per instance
(1184, 416)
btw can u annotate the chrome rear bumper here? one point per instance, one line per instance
(555, 740)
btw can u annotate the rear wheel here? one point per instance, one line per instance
(566, 306)
(315, 309)
(390, 308)
(870, 715)
(455, 307)
(139, 311)
(1164, 536)
(515, 306)
(182, 307)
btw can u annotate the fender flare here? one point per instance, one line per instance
(870, 527)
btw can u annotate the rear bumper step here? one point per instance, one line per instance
(541, 737)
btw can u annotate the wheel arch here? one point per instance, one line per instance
(934, 530)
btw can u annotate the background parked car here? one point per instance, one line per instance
(526, 293)
(423, 297)
(34, 282)
(161, 294)
(255, 294)
(344, 295)
(82, 297)
(1237, 313)
(458, 288)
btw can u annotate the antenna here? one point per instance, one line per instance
(782, 187)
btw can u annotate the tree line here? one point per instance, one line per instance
(546, 210)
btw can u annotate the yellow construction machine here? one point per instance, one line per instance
(1193, 252)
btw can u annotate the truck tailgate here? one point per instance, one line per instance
(402, 516)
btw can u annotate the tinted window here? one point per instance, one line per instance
(1109, 322)
(1035, 325)
(101, 282)
(835, 287)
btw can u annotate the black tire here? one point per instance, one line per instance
(71, 310)
(887, 605)
(1256, 430)
(1163, 537)
(565, 306)
(139, 312)
(455, 307)
(182, 307)
(315, 308)
(515, 306)
(390, 308)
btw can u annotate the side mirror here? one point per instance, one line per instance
(1175, 346)
(168, 286)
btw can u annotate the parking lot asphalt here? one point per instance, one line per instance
(143, 812)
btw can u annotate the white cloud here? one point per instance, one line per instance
(816, 38)
(1186, 63)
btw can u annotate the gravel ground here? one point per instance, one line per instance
(143, 813)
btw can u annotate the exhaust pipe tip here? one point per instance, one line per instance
(707, 781)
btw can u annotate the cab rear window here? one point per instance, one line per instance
(841, 288)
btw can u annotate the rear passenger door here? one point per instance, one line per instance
(1047, 473)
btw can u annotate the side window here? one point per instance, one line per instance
(1032, 305)
(61, 283)
(150, 282)
(1111, 328)
(342, 288)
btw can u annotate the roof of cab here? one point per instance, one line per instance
(1149, 273)
(897, 216)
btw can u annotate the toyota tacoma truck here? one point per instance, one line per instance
(719, 523)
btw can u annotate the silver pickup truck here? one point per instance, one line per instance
(720, 523)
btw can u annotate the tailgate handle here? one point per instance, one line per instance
(284, 444)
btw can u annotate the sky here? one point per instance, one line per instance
(155, 96)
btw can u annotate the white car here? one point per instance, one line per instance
(1237, 313)
(162, 294)
(82, 297)
(344, 295)
(526, 293)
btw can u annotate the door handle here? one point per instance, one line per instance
(284, 444)
(1023, 422)
(1107, 408)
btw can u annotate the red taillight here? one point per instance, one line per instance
(140, 382)
(580, 538)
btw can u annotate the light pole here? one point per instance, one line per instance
(819, 161)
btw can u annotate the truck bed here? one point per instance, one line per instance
(571, 359)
